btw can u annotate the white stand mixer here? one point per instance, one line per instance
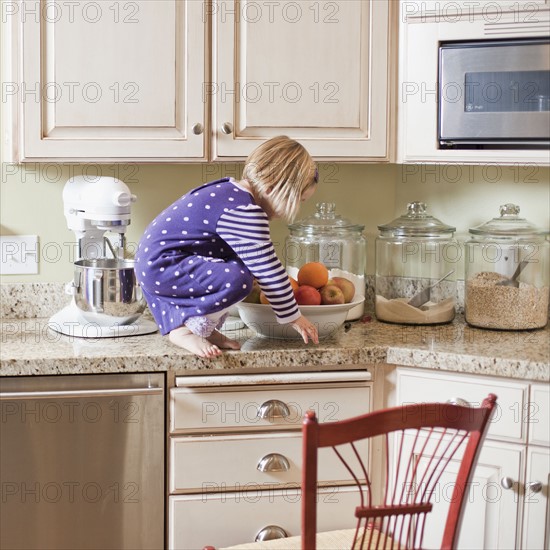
(101, 285)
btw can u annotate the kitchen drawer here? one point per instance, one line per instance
(230, 462)
(211, 409)
(508, 423)
(224, 519)
(538, 415)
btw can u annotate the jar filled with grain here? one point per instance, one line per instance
(416, 259)
(507, 273)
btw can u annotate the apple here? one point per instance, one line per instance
(307, 296)
(331, 295)
(346, 286)
(254, 295)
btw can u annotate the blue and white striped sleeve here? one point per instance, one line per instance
(246, 231)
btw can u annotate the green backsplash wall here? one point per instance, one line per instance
(464, 196)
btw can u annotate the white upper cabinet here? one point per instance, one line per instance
(184, 80)
(315, 70)
(109, 80)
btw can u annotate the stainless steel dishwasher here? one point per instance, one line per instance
(82, 462)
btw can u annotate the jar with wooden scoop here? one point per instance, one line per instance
(507, 273)
(416, 257)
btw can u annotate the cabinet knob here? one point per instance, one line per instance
(198, 129)
(227, 128)
(507, 482)
(458, 401)
(273, 409)
(534, 486)
(273, 462)
(271, 532)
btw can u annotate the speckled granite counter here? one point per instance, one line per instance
(28, 347)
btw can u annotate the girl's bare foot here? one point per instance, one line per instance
(222, 341)
(184, 338)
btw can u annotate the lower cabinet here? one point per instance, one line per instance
(508, 500)
(536, 515)
(536, 511)
(236, 454)
(491, 515)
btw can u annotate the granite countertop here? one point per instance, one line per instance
(29, 347)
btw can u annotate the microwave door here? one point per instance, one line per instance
(494, 92)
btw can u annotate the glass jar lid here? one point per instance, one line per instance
(508, 224)
(325, 221)
(416, 223)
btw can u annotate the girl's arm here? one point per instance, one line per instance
(246, 231)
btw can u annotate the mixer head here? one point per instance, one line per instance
(94, 206)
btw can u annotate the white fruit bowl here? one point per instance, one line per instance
(261, 319)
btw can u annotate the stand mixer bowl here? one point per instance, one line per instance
(106, 291)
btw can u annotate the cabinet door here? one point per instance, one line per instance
(314, 70)
(536, 524)
(112, 80)
(491, 514)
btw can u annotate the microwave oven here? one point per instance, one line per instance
(494, 94)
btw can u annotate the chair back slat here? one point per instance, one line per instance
(420, 443)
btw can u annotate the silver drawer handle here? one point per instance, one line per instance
(458, 401)
(227, 128)
(271, 532)
(507, 482)
(273, 462)
(534, 486)
(273, 409)
(198, 129)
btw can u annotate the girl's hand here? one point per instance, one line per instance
(306, 329)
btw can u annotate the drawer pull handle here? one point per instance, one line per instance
(198, 129)
(534, 486)
(273, 409)
(507, 482)
(271, 532)
(273, 462)
(227, 128)
(458, 401)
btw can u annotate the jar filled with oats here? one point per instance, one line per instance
(507, 273)
(416, 260)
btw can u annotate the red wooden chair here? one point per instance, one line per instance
(420, 442)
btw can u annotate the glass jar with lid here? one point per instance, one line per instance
(416, 262)
(334, 241)
(507, 273)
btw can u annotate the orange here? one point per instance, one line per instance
(293, 283)
(313, 274)
(263, 299)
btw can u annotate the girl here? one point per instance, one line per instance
(201, 254)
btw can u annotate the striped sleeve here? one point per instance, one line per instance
(246, 231)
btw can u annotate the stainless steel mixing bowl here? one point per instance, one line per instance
(106, 291)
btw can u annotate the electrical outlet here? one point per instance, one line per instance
(19, 255)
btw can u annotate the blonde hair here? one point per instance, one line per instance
(278, 172)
